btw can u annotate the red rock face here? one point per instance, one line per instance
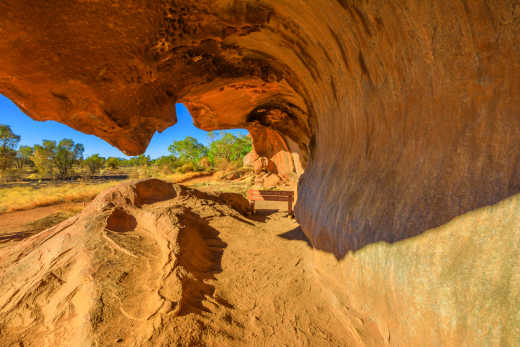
(274, 154)
(250, 158)
(404, 115)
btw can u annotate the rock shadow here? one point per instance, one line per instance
(296, 234)
(201, 254)
(261, 215)
(121, 221)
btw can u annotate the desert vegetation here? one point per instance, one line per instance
(64, 160)
(55, 172)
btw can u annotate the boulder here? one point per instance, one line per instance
(271, 181)
(235, 201)
(263, 164)
(250, 159)
(130, 268)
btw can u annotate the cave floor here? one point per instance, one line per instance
(264, 292)
(267, 292)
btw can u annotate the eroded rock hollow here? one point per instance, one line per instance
(404, 114)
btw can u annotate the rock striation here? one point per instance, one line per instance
(127, 271)
(404, 114)
(378, 100)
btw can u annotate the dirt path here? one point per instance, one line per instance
(16, 221)
(198, 179)
(269, 277)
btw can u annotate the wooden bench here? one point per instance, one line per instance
(270, 195)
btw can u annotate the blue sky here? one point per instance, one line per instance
(33, 132)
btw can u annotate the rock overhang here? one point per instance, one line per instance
(404, 117)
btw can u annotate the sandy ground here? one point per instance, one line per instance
(269, 278)
(15, 221)
(20, 221)
(156, 267)
(182, 272)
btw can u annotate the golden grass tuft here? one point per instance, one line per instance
(182, 177)
(24, 198)
(28, 197)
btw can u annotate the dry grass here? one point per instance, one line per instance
(28, 197)
(23, 198)
(236, 186)
(182, 177)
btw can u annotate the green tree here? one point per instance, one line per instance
(166, 161)
(23, 156)
(113, 163)
(8, 143)
(188, 150)
(43, 158)
(125, 162)
(142, 160)
(94, 163)
(51, 158)
(241, 147)
(229, 147)
(66, 154)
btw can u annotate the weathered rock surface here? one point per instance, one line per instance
(128, 270)
(271, 181)
(404, 114)
(157, 264)
(381, 99)
(250, 158)
(454, 285)
(274, 153)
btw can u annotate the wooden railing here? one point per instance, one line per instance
(271, 195)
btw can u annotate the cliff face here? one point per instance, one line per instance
(404, 114)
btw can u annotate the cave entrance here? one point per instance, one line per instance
(51, 151)
(34, 146)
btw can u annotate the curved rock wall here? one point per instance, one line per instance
(419, 122)
(405, 114)
(272, 145)
(454, 285)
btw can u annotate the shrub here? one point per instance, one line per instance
(187, 167)
(94, 163)
(8, 143)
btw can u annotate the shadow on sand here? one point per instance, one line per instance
(296, 235)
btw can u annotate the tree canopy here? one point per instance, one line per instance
(8, 143)
(66, 154)
(229, 147)
(188, 150)
(94, 163)
(52, 159)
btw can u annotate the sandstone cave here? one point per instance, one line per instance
(400, 120)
